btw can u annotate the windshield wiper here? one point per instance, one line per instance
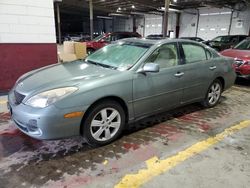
(100, 64)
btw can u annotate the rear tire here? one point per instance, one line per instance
(104, 123)
(213, 94)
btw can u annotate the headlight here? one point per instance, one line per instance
(46, 98)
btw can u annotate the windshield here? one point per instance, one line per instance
(120, 56)
(222, 39)
(99, 37)
(244, 45)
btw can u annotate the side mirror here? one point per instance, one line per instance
(150, 67)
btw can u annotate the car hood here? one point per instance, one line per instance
(61, 75)
(239, 54)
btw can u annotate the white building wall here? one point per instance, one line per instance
(140, 25)
(153, 23)
(188, 22)
(241, 22)
(27, 21)
(123, 24)
(214, 22)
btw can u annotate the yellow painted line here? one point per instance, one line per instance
(157, 166)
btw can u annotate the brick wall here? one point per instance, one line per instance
(27, 38)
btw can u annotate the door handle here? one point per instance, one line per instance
(212, 67)
(179, 74)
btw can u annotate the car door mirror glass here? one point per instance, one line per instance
(150, 67)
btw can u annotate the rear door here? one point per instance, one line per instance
(198, 71)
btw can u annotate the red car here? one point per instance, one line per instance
(107, 38)
(241, 54)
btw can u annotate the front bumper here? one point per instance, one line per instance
(243, 75)
(45, 123)
(242, 71)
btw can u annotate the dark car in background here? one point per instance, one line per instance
(155, 37)
(197, 39)
(76, 37)
(224, 42)
(241, 54)
(107, 38)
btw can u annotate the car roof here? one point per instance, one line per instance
(157, 42)
(123, 32)
(231, 35)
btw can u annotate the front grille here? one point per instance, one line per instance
(18, 97)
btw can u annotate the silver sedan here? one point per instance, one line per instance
(117, 85)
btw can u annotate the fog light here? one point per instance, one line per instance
(32, 125)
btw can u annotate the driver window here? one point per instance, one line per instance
(165, 56)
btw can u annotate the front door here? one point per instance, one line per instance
(154, 92)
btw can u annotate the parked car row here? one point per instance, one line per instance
(221, 43)
(76, 37)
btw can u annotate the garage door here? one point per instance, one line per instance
(212, 25)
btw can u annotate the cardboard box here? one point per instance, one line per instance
(73, 51)
(80, 50)
(68, 47)
(63, 57)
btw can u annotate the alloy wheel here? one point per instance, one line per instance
(214, 93)
(105, 124)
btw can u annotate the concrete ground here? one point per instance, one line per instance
(186, 147)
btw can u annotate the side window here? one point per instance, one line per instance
(165, 56)
(193, 53)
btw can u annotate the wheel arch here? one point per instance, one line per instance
(222, 80)
(113, 98)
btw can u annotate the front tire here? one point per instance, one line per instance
(104, 123)
(213, 94)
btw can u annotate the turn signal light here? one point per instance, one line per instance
(73, 115)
